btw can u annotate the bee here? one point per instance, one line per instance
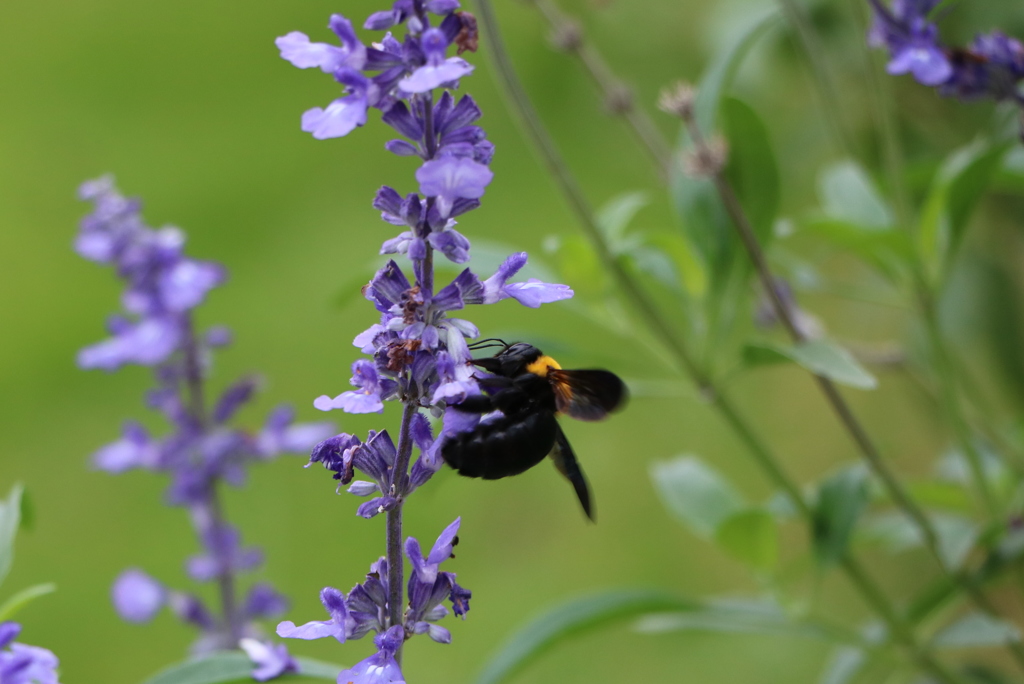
(524, 394)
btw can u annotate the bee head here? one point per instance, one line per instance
(517, 359)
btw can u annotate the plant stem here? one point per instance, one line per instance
(880, 98)
(226, 577)
(208, 518)
(787, 316)
(838, 404)
(828, 93)
(581, 207)
(949, 394)
(396, 561)
(618, 97)
(651, 316)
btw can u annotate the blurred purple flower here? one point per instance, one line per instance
(137, 597)
(269, 660)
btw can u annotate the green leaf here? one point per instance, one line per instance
(888, 251)
(723, 67)
(848, 194)
(757, 354)
(615, 216)
(751, 537)
(656, 264)
(697, 495)
(578, 264)
(695, 199)
(24, 597)
(843, 665)
(821, 357)
(692, 275)
(28, 512)
(213, 669)
(840, 502)
(976, 629)
(957, 536)
(232, 667)
(10, 517)
(939, 494)
(897, 532)
(752, 169)
(572, 618)
(956, 190)
(731, 616)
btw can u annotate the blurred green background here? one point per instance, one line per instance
(189, 105)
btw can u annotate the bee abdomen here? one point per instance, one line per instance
(508, 446)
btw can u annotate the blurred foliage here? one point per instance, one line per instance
(190, 106)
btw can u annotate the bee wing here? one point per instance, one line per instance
(565, 461)
(587, 394)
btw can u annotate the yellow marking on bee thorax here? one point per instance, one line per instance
(542, 365)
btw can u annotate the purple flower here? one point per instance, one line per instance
(532, 293)
(9, 631)
(281, 434)
(263, 601)
(297, 49)
(137, 597)
(190, 609)
(426, 568)
(135, 449)
(992, 66)
(269, 660)
(334, 602)
(428, 587)
(367, 399)
(451, 178)
(343, 115)
(438, 70)
(21, 664)
(185, 284)
(336, 454)
(381, 667)
(162, 286)
(919, 54)
(146, 343)
(224, 555)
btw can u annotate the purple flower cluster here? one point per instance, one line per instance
(203, 449)
(417, 351)
(992, 66)
(21, 664)
(365, 609)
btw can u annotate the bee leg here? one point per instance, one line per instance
(477, 403)
(565, 461)
(509, 400)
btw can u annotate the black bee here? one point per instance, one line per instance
(530, 390)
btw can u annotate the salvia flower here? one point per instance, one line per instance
(364, 609)
(417, 346)
(202, 450)
(991, 66)
(22, 664)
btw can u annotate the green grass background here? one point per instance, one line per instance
(190, 106)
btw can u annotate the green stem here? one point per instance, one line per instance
(617, 95)
(825, 87)
(949, 394)
(897, 492)
(880, 97)
(762, 454)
